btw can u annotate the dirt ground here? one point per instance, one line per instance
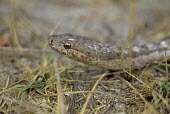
(35, 79)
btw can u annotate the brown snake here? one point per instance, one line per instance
(91, 52)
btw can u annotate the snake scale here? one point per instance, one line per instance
(95, 53)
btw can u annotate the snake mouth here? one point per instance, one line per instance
(76, 55)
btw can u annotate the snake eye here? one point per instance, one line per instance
(67, 46)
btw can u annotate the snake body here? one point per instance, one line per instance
(95, 53)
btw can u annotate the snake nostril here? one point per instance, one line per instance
(50, 40)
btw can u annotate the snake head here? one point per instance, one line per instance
(60, 41)
(81, 48)
(67, 45)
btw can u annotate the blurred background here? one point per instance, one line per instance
(109, 21)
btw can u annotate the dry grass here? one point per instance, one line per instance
(42, 91)
(48, 89)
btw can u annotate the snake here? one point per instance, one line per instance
(94, 53)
